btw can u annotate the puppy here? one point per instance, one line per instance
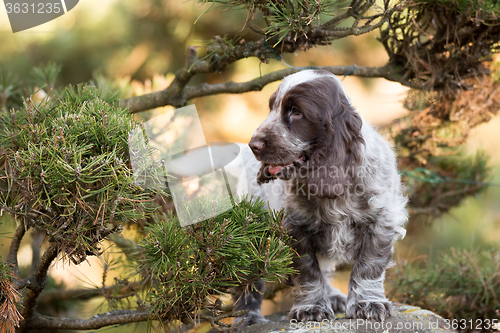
(337, 179)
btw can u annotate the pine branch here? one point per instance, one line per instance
(219, 326)
(233, 248)
(76, 185)
(37, 237)
(35, 284)
(14, 249)
(161, 98)
(83, 294)
(345, 32)
(221, 57)
(115, 317)
(281, 40)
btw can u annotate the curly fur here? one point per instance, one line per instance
(337, 178)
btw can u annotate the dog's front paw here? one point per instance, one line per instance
(339, 302)
(316, 312)
(378, 311)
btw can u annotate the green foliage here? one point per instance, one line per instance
(42, 77)
(295, 18)
(475, 9)
(439, 44)
(445, 182)
(9, 90)
(5, 271)
(46, 76)
(460, 284)
(66, 169)
(292, 18)
(190, 264)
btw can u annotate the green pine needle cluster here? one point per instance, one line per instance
(445, 182)
(295, 18)
(46, 76)
(189, 265)
(461, 284)
(65, 168)
(475, 9)
(10, 90)
(292, 18)
(5, 273)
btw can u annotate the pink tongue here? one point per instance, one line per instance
(274, 169)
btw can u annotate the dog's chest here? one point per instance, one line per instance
(328, 227)
(336, 241)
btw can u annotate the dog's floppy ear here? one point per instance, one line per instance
(336, 160)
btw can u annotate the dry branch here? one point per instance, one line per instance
(163, 98)
(35, 284)
(101, 320)
(222, 53)
(14, 249)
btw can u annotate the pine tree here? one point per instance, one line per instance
(65, 163)
(66, 172)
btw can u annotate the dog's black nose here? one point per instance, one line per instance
(256, 145)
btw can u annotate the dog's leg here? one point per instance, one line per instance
(310, 288)
(366, 297)
(337, 298)
(249, 298)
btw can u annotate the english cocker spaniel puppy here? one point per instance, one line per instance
(338, 181)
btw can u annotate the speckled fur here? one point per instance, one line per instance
(357, 225)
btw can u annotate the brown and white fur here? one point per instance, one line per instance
(338, 181)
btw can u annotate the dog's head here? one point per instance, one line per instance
(312, 132)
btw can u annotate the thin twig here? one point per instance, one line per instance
(84, 293)
(220, 326)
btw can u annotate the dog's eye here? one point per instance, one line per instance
(294, 111)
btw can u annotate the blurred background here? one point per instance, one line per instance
(136, 45)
